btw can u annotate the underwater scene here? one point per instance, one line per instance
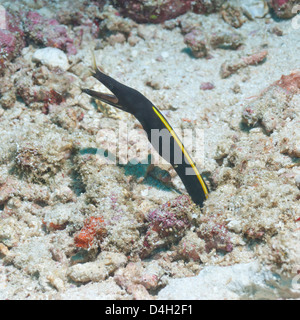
(149, 149)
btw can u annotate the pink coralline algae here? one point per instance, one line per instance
(285, 8)
(136, 280)
(230, 67)
(200, 43)
(290, 83)
(271, 108)
(38, 94)
(196, 41)
(215, 237)
(157, 11)
(11, 40)
(48, 32)
(167, 224)
(207, 86)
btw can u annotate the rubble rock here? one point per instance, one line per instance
(285, 8)
(51, 57)
(157, 11)
(11, 40)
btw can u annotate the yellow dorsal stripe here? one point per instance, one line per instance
(172, 132)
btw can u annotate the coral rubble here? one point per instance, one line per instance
(86, 214)
(159, 11)
(285, 8)
(11, 39)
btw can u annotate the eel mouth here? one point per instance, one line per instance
(105, 97)
(108, 98)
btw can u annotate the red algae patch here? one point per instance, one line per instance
(93, 230)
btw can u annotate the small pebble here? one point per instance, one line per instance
(51, 57)
(207, 86)
(297, 181)
(3, 250)
(165, 54)
(116, 38)
(236, 88)
(277, 31)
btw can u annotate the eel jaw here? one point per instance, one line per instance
(104, 97)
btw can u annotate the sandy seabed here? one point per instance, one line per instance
(74, 227)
